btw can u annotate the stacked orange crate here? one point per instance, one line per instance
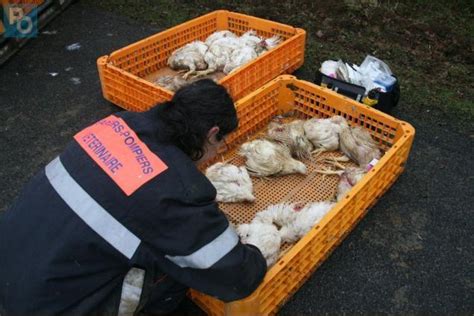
(125, 74)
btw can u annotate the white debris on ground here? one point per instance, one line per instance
(75, 80)
(74, 46)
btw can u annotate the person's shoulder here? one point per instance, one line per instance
(181, 169)
(181, 177)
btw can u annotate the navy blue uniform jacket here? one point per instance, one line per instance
(71, 236)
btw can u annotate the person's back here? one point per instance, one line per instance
(80, 225)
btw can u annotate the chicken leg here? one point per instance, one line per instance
(202, 73)
(192, 70)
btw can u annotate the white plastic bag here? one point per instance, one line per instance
(371, 74)
(348, 73)
(329, 68)
(374, 64)
(376, 74)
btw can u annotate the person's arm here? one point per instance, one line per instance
(194, 243)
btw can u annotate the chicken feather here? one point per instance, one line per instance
(189, 57)
(233, 184)
(266, 158)
(292, 135)
(263, 236)
(324, 133)
(357, 144)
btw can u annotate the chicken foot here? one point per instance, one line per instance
(335, 161)
(189, 73)
(202, 73)
(317, 152)
(329, 172)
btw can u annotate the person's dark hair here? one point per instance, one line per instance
(192, 112)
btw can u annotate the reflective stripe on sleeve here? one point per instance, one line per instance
(94, 215)
(209, 254)
(131, 292)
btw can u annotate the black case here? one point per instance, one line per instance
(386, 100)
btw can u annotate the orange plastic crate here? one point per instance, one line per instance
(123, 72)
(306, 100)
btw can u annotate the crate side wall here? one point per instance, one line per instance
(291, 271)
(149, 55)
(282, 59)
(328, 234)
(128, 92)
(316, 101)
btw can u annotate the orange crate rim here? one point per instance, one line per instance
(393, 135)
(122, 72)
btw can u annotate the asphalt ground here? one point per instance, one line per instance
(412, 253)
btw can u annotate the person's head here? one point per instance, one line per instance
(198, 118)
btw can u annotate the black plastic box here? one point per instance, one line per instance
(385, 100)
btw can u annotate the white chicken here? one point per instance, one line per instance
(357, 144)
(292, 135)
(260, 44)
(239, 57)
(349, 176)
(324, 133)
(218, 35)
(277, 214)
(269, 44)
(251, 47)
(226, 51)
(263, 236)
(294, 220)
(266, 158)
(232, 183)
(189, 58)
(306, 217)
(218, 54)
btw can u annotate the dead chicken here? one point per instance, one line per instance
(263, 236)
(232, 183)
(292, 135)
(269, 43)
(266, 158)
(173, 83)
(324, 133)
(218, 35)
(189, 58)
(218, 54)
(357, 144)
(278, 214)
(260, 44)
(251, 47)
(349, 176)
(227, 52)
(239, 57)
(293, 220)
(251, 39)
(306, 217)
